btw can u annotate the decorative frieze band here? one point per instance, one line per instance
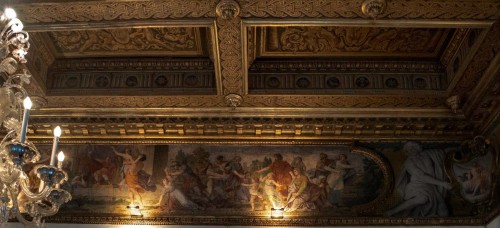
(129, 10)
(269, 83)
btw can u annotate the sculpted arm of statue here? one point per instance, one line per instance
(418, 174)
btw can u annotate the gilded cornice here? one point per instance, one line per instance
(246, 123)
(193, 129)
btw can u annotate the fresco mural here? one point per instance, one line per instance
(220, 179)
(382, 179)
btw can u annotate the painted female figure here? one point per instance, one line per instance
(136, 179)
(299, 193)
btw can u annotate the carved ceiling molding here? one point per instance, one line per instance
(149, 75)
(298, 101)
(320, 65)
(454, 45)
(486, 89)
(128, 10)
(229, 36)
(433, 129)
(418, 9)
(185, 41)
(480, 62)
(114, 10)
(352, 41)
(126, 64)
(345, 101)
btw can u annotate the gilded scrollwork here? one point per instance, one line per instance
(231, 58)
(117, 10)
(345, 9)
(306, 101)
(381, 41)
(119, 41)
(345, 101)
(134, 101)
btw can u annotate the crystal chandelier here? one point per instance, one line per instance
(17, 154)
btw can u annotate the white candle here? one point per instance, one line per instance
(60, 159)
(10, 13)
(57, 134)
(27, 106)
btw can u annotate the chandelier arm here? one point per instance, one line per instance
(7, 136)
(15, 209)
(46, 212)
(7, 30)
(34, 196)
(11, 177)
(11, 84)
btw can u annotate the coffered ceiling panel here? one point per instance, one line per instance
(317, 41)
(164, 41)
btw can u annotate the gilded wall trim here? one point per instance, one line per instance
(142, 128)
(265, 221)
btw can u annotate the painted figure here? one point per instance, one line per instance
(281, 173)
(172, 198)
(217, 177)
(106, 172)
(236, 176)
(137, 180)
(422, 183)
(298, 193)
(254, 192)
(476, 181)
(335, 179)
(126, 156)
(270, 191)
(297, 163)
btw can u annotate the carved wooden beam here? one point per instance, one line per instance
(77, 11)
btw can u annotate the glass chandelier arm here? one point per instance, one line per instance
(44, 212)
(34, 196)
(16, 212)
(13, 26)
(9, 135)
(10, 177)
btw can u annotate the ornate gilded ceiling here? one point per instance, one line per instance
(264, 58)
(265, 72)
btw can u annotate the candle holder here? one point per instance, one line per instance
(16, 151)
